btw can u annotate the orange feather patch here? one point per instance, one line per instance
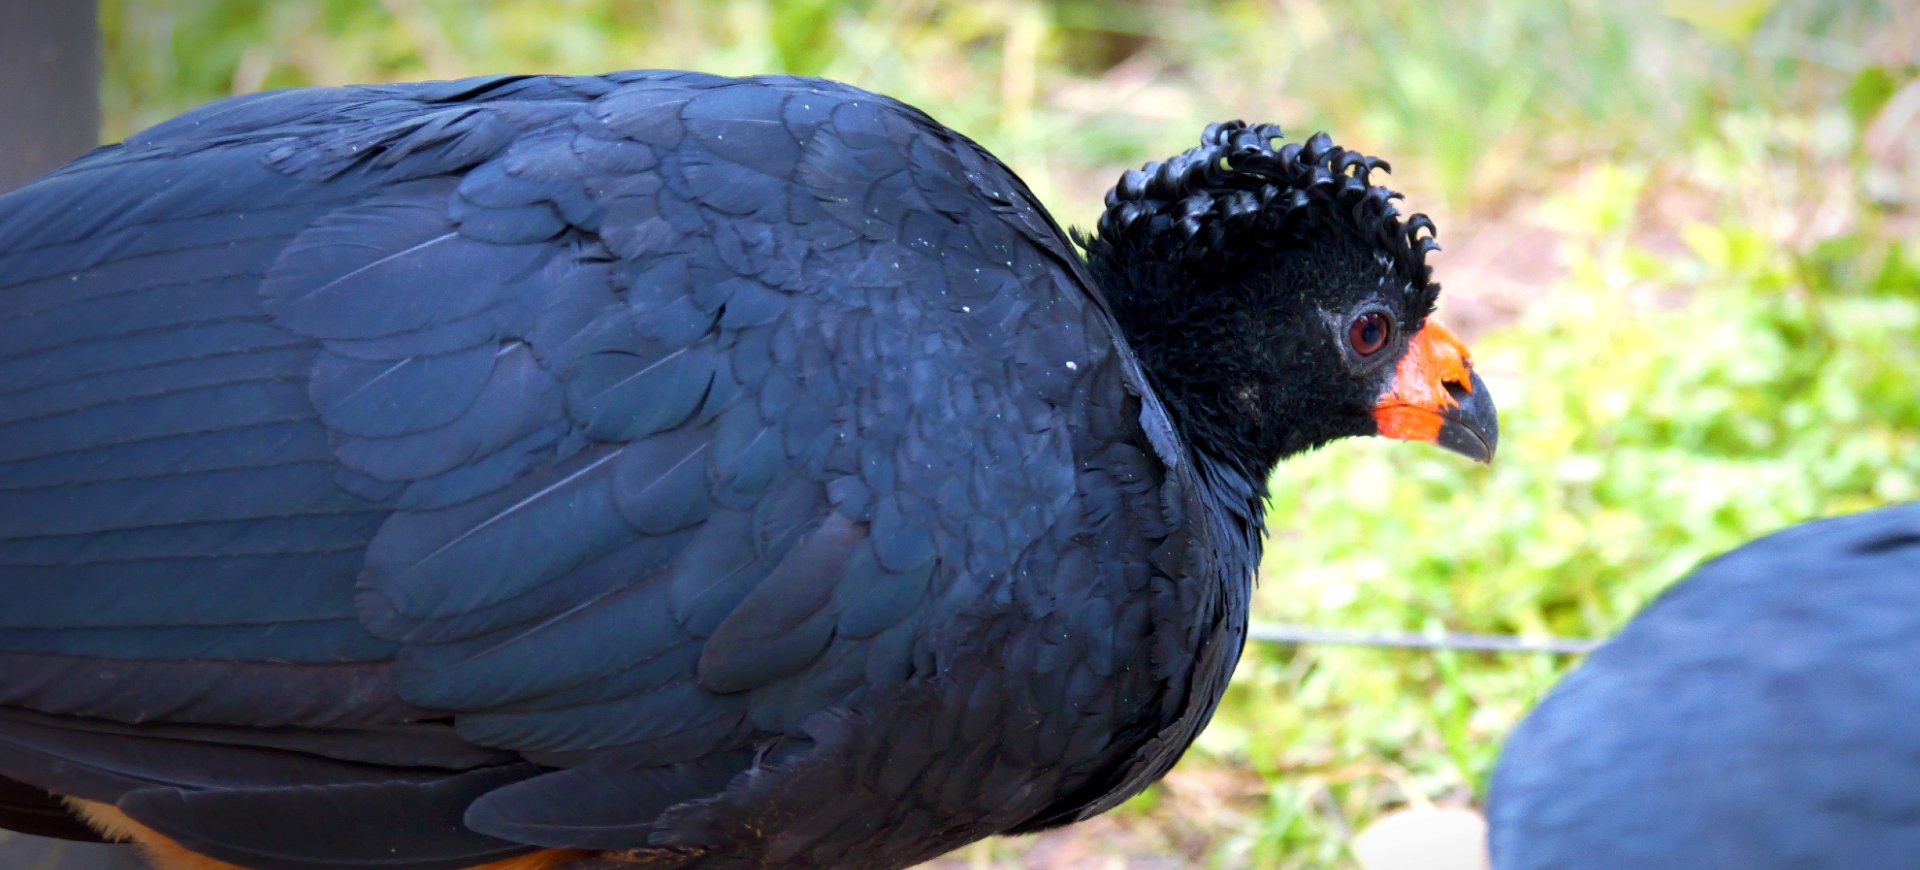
(1411, 410)
(165, 854)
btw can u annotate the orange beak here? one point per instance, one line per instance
(1435, 397)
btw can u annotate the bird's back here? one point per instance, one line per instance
(1760, 714)
(598, 463)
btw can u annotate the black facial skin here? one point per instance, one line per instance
(1236, 270)
(1254, 351)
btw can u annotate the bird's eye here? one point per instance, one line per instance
(1369, 332)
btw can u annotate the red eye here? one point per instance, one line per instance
(1369, 333)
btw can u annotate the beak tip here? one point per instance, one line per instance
(1473, 428)
(1462, 439)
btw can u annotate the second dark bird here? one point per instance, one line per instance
(1759, 715)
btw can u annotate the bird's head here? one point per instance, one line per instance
(1279, 302)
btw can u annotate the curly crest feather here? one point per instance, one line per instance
(1237, 192)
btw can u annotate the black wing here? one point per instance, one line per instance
(620, 425)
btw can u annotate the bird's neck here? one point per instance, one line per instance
(1204, 364)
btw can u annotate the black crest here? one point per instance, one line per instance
(1237, 193)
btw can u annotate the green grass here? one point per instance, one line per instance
(1636, 444)
(1725, 348)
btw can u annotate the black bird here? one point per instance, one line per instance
(654, 467)
(1763, 714)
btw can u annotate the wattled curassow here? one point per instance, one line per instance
(654, 467)
(1763, 714)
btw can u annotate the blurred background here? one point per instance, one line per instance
(1682, 238)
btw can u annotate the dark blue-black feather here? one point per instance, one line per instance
(715, 443)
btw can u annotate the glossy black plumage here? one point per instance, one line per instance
(617, 463)
(1760, 714)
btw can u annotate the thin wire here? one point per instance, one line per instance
(1280, 632)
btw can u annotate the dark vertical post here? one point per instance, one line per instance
(50, 114)
(49, 86)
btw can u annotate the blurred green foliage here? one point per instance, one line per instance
(1723, 344)
(1636, 443)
